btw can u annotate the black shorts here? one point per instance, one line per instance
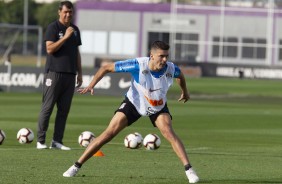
(132, 114)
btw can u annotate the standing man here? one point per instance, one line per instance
(151, 78)
(63, 64)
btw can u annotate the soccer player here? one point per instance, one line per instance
(151, 78)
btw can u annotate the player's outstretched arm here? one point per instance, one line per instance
(103, 70)
(185, 96)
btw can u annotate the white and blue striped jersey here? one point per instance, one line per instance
(148, 88)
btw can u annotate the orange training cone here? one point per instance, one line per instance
(99, 153)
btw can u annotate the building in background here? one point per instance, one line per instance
(197, 34)
(206, 40)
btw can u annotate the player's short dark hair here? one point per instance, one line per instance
(160, 45)
(68, 4)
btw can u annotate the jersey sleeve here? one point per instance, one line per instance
(176, 72)
(130, 65)
(51, 33)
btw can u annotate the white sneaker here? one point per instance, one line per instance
(41, 146)
(71, 172)
(192, 176)
(57, 145)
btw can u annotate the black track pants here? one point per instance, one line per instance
(58, 88)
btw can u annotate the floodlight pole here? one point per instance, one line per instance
(9, 72)
(25, 24)
(269, 32)
(221, 31)
(39, 47)
(173, 19)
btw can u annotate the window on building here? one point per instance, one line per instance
(215, 47)
(229, 47)
(280, 51)
(248, 48)
(94, 42)
(122, 43)
(254, 48)
(186, 44)
(186, 47)
(261, 49)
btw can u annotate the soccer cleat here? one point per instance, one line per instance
(71, 172)
(41, 146)
(57, 145)
(192, 176)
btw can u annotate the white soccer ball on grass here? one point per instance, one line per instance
(152, 142)
(25, 136)
(2, 136)
(85, 138)
(133, 140)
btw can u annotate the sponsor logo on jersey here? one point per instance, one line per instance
(150, 111)
(152, 90)
(155, 102)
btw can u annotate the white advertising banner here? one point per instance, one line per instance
(30, 79)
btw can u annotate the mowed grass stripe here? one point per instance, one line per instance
(231, 129)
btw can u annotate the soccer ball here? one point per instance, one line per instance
(2, 136)
(152, 142)
(133, 140)
(25, 136)
(85, 138)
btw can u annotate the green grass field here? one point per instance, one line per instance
(231, 128)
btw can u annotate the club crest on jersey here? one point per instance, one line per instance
(48, 82)
(168, 75)
(61, 34)
(145, 72)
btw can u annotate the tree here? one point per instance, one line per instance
(12, 12)
(46, 13)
